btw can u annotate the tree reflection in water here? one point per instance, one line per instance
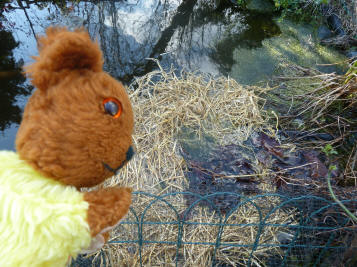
(12, 82)
(183, 33)
(190, 34)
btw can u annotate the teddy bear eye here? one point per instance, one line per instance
(112, 106)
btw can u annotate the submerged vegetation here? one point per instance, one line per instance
(296, 44)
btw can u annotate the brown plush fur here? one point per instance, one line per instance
(101, 212)
(65, 133)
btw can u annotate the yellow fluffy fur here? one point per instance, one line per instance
(42, 222)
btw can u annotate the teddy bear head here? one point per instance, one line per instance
(77, 126)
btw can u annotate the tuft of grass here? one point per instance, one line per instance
(329, 106)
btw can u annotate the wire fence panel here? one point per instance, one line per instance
(187, 229)
(262, 230)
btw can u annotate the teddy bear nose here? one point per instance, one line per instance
(129, 154)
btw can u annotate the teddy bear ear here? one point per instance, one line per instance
(61, 50)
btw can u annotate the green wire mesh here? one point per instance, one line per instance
(323, 236)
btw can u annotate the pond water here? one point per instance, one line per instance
(196, 35)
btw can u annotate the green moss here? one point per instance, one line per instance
(297, 44)
(263, 6)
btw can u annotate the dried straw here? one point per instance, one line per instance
(163, 105)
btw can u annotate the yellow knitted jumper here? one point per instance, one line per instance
(42, 222)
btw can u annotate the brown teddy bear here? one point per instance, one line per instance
(76, 131)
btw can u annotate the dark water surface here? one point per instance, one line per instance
(192, 34)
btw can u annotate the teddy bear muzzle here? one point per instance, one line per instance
(129, 154)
